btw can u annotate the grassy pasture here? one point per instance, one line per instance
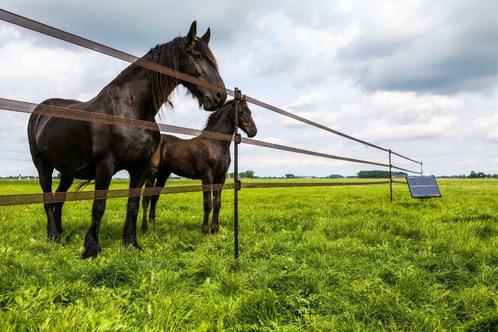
(340, 258)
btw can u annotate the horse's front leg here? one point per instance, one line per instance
(137, 180)
(216, 207)
(216, 211)
(208, 205)
(103, 178)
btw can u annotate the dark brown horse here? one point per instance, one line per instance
(91, 151)
(201, 158)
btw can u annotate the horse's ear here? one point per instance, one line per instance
(205, 37)
(192, 32)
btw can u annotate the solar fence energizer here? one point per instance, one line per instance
(423, 186)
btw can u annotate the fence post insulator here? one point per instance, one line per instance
(238, 95)
(237, 185)
(237, 138)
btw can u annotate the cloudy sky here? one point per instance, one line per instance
(419, 77)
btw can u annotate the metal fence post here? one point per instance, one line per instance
(236, 181)
(421, 167)
(390, 176)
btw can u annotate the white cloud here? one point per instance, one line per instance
(487, 126)
(35, 72)
(433, 127)
(424, 46)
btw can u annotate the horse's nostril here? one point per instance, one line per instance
(219, 96)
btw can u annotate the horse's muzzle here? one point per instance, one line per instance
(252, 133)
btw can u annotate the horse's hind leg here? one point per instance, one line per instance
(45, 177)
(137, 180)
(160, 183)
(64, 184)
(145, 202)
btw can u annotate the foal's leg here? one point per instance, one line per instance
(207, 207)
(217, 206)
(137, 180)
(64, 184)
(103, 178)
(145, 202)
(161, 181)
(45, 177)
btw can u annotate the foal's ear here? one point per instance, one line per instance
(192, 32)
(205, 37)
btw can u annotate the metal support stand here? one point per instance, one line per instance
(421, 167)
(390, 176)
(238, 96)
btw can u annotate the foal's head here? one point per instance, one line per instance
(246, 123)
(223, 119)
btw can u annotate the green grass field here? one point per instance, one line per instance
(339, 258)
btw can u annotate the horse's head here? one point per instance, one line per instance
(246, 123)
(198, 60)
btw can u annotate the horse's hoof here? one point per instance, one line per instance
(54, 237)
(214, 230)
(91, 251)
(205, 229)
(144, 228)
(132, 243)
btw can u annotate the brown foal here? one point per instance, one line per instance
(201, 157)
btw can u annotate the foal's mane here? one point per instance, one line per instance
(215, 116)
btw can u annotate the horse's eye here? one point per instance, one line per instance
(197, 56)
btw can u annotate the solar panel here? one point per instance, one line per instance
(423, 186)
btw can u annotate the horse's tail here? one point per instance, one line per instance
(82, 185)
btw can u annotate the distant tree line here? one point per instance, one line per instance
(244, 175)
(372, 174)
(481, 175)
(379, 174)
(24, 177)
(249, 174)
(472, 175)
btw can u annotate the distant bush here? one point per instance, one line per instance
(378, 174)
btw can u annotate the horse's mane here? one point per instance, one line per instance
(169, 55)
(215, 116)
(206, 51)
